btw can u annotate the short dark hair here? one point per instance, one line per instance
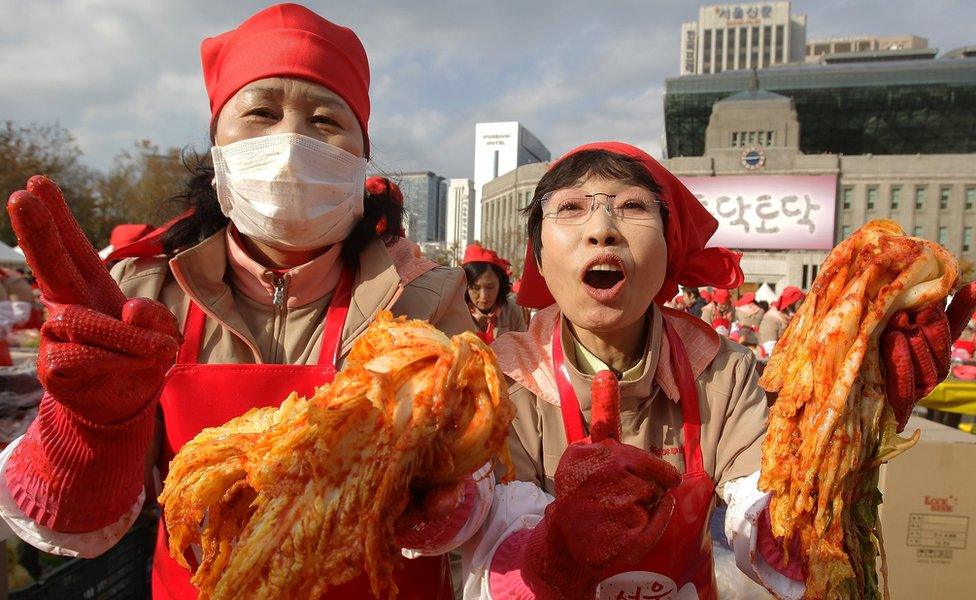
(570, 171)
(207, 218)
(691, 290)
(474, 270)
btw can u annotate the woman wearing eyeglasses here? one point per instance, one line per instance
(613, 494)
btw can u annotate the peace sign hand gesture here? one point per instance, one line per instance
(102, 361)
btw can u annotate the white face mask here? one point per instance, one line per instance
(290, 191)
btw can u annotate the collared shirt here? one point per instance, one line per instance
(590, 364)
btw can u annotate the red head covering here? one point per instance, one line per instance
(790, 295)
(125, 234)
(149, 244)
(721, 325)
(476, 253)
(689, 228)
(288, 40)
(721, 297)
(745, 299)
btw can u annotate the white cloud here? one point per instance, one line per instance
(114, 71)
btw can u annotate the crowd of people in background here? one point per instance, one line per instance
(737, 314)
(758, 324)
(740, 316)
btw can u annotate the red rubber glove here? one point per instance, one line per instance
(916, 348)
(435, 517)
(771, 549)
(611, 506)
(102, 360)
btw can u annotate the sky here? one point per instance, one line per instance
(572, 71)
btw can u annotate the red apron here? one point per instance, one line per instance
(488, 335)
(197, 396)
(680, 565)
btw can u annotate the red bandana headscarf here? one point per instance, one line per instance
(690, 226)
(288, 40)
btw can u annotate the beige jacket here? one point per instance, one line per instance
(772, 326)
(14, 287)
(712, 311)
(749, 316)
(733, 406)
(241, 330)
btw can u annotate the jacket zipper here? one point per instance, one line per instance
(279, 292)
(279, 300)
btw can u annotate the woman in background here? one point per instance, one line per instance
(489, 294)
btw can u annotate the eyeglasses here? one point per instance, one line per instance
(575, 207)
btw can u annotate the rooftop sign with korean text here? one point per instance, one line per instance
(740, 14)
(769, 212)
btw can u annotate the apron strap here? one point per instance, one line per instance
(691, 427)
(192, 335)
(335, 320)
(568, 402)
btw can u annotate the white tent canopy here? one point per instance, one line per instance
(10, 257)
(765, 294)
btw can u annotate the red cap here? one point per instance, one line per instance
(722, 325)
(125, 234)
(381, 186)
(689, 228)
(150, 244)
(476, 253)
(721, 297)
(288, 40)
(790, 295)
(745, 299)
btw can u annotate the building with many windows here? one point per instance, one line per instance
(460, 216)
(785, 201)
(889, 107)
(730, 37)
(498, 149)
(424, 204)
(504, 197)
(863, 44)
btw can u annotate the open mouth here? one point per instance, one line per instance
(603, 277)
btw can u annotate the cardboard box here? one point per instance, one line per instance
(928, 517)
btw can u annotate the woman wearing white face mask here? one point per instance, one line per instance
(278, 268)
